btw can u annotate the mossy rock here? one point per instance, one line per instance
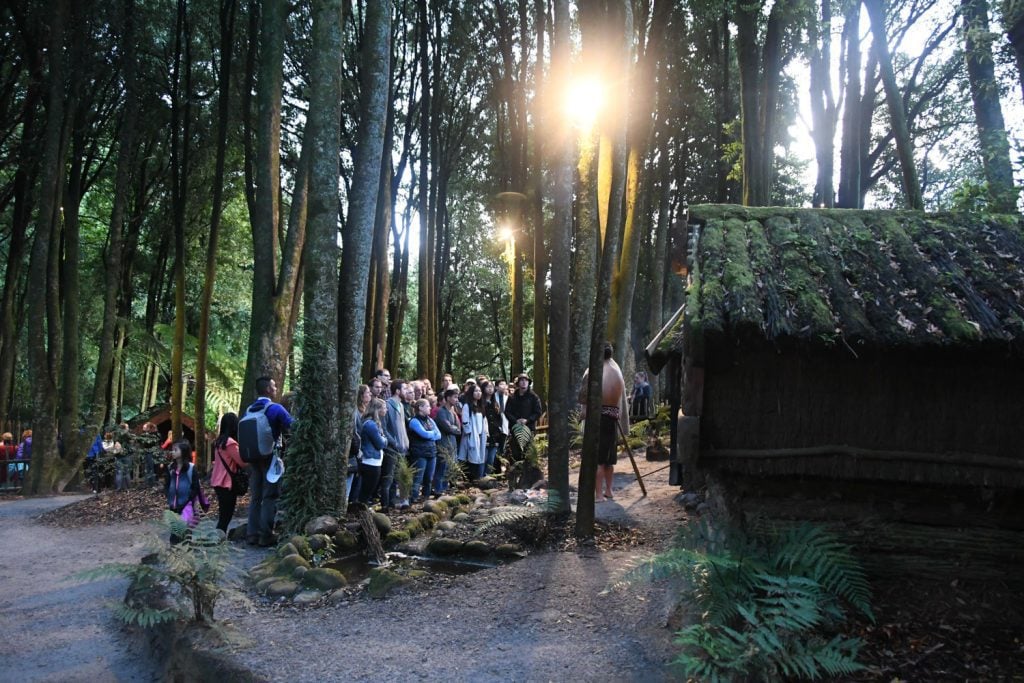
(428, 520)
(264, 570)
(413, 528)
(444, 546)
(307, 597)
(288, 564)
(287, 549)
(345, 540)
(383, 523)
(282, 588)
(263, 584)
(318, 542)
(324, 579)
(325, 524)
(450, 501)
(395, 537)
(436, 507)
(447, 525)
(417, 574)
(477, 548)
(462, 518)
(463, 499)
(299, 572)
(301, 544)
(383, 581)
(509, 550)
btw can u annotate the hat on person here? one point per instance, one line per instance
(276, 469)
(523, 375)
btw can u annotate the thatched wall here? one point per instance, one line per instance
(924, 417)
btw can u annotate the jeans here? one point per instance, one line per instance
(262, 502)
(439, 482)
(424, 476)
(492, 455)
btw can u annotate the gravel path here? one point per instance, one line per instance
(55, 627)
(539, 619)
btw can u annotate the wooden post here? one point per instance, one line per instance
(632, 460)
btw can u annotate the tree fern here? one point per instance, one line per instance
(764, 602)
(192, 571)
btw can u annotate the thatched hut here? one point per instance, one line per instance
(864, 364)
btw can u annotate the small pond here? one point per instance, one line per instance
(357, 567)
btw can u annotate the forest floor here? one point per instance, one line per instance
(556, 614)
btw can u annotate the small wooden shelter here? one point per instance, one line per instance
(160, 415)
(867, 365)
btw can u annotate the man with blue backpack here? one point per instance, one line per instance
(260, 433)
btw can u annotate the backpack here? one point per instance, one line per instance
(255, 436)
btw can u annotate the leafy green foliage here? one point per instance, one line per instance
(405, 473)
(191, 572)
(766, 603)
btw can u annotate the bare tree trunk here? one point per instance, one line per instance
(850, 152)
(424, 304)
(897, 114)
(227, 32)
(122, 186)
(823, 105)
(181, 92)
(42, 372)
(988, 113)
(358, 232)
(641, 130)
(540, 257)
(560, 397)
(275, 276)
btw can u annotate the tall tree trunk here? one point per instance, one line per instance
(897, 113)
(640, 132)
(760, 74)
(227, 32)
(850, 151)
(316, 457)
(988, 113)
(540, 257)
(21, 216)
(67, 415)
(275, 290)
(42, 372)
(113, 255)
(181, 93)
(561, 399)
(424, 303)
(823, 106)
(358, 231)
(1013, 24)
(656, 300)
(588, 221)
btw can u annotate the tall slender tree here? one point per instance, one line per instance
(988, 112)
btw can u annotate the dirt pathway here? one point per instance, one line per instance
(540, 619)
(57, 628)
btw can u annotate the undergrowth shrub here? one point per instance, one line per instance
(770, 607)
(192, 573)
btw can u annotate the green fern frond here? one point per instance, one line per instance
(507, 516)
(522, 435)
(405, 473)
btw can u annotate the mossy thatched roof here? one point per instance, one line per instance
(868, 278)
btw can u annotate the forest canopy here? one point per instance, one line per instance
(194, 194)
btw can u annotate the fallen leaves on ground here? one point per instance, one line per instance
(108, 507)
(930, 631)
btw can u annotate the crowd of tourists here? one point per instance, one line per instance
(463, 427)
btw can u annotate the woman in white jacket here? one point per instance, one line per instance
(473, 449)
